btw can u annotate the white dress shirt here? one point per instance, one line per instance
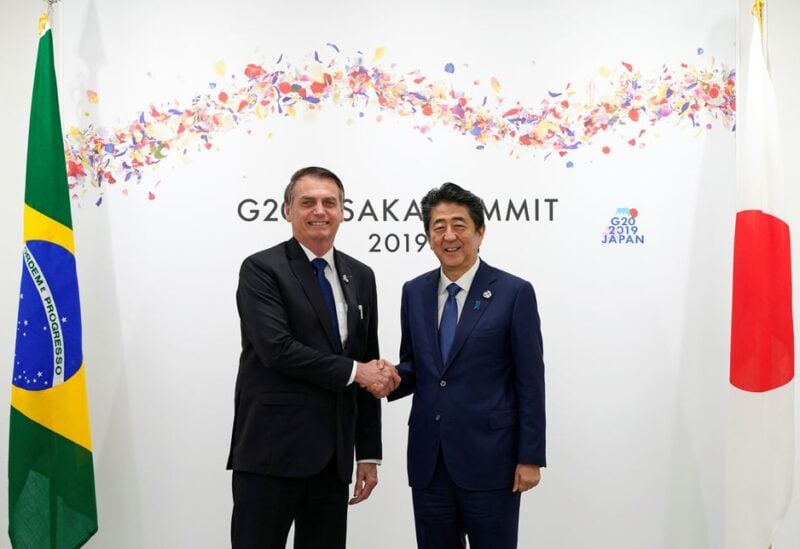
(338, 298)
(464, 282)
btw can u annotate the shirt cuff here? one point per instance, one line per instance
(375, 461)
(352, 374)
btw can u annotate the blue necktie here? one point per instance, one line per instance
(447, 326)
(319, 265)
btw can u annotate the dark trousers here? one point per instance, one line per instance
(445, 515)
(264, 508)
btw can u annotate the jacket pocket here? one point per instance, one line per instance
(490, 332)
(282, 399)
(502, 420)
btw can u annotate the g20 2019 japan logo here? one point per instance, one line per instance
(623, 228)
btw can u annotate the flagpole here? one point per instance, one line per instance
(56, 23)
(760, 12)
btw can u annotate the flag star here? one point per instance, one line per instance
(25, 322)
(38, 374)
(64, 319)
(21, 296)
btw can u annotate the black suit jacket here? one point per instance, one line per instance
(293, 409)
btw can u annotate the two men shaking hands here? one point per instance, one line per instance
(308, 389)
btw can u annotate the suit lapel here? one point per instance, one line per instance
(430, 306)
(302, 269)
(349, 285)
(474, 307)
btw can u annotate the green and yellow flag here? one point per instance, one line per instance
(51, 498)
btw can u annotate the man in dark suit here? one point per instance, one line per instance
(471, 354)
(309, 327)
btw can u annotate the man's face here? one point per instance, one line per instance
(454, 238)
(315, 212)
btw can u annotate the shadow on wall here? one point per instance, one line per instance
(694, 515)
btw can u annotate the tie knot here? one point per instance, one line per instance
(453, 289)
(319, 264)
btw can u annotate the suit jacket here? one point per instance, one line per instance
(483, 408)
(293, 410)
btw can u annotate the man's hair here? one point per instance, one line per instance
(450, 192)
(311, 171)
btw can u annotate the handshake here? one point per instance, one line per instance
(379, 377)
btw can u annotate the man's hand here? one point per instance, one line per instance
(526, 477)
(379, 377)
(366, 480)
(394, 381)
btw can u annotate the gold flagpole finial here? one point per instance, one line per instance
(758, 12)
(43, 20)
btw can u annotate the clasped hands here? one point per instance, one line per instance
(379, 377)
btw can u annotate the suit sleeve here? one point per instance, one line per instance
(265, 325)
(526, 348)
(406, 368)
(368, 420)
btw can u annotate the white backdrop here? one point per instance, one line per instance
(636, 335)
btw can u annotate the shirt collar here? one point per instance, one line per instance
(328, 257)
(464, 282)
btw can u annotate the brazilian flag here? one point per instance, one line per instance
(51, 497)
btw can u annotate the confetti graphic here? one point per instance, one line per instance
(627, 104)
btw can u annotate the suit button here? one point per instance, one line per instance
(442, 383)
(438, 417)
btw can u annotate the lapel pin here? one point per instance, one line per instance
(487, 294)
(477, 304)
(346, 279)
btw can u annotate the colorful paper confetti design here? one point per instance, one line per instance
(628, 101)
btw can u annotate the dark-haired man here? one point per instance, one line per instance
(471, 354)
(309, 327)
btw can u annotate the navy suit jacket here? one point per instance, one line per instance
(483, 408)
(293, 408)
